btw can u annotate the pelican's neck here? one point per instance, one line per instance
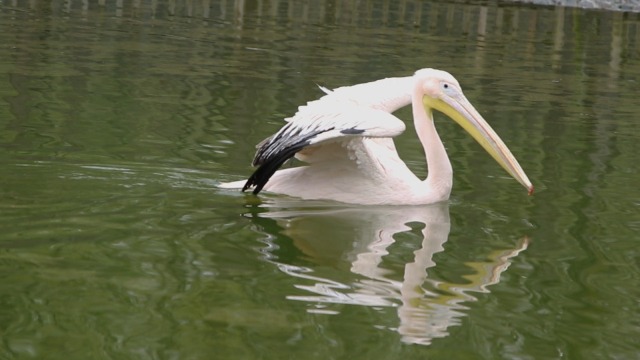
(440, 174)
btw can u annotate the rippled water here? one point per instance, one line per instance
(118, 120)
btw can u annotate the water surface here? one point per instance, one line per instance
(118, 120)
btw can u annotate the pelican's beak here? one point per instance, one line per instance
(456, 106)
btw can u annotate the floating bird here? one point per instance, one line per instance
(346, 138)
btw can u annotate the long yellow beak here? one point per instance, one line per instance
(457, 107)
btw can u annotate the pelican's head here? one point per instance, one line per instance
(442, 92)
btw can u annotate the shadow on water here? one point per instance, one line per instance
(362, 239)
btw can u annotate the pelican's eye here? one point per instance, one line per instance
(448, 88)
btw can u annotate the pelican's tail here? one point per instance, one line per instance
(232, 185)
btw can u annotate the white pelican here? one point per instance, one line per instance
(346, 139)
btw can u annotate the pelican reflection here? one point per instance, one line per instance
(360, 238)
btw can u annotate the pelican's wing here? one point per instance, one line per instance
(362, 110)
(388, 94)
(314, 126)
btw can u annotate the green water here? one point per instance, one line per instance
(118, 120)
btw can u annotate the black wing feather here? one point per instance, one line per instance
(274, 153)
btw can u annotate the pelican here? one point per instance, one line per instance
(346, 138)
